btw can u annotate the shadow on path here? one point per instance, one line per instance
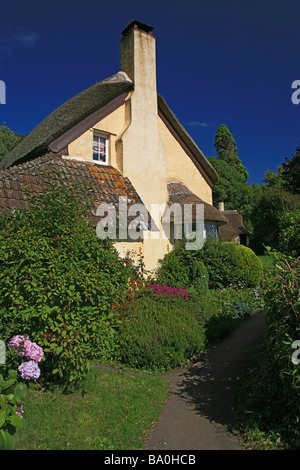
(199, 413)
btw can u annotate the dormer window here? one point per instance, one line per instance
(100, 149)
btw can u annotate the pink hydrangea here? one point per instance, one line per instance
(16, 341)
(29, 370)
(32, 351)
(26, 348)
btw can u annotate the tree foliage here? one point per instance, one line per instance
(290, 172)
(227, 150)
(8, 140)
(273, 217)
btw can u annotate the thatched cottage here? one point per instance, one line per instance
(118, 138)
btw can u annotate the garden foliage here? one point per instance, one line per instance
(58, 282)
(160, 334)
(181, 268)
(216, 265)
(270, 388)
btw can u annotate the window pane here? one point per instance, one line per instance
(99, 148)
(102, 149)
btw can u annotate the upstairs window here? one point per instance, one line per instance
(100, 149)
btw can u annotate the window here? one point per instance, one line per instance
(211, 230)
(100, 149)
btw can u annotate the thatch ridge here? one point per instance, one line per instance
(65, 117)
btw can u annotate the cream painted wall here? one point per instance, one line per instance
(112, 125)
(181, 168)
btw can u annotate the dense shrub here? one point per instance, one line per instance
(228, 264)
(252, 267)
(181, 268)
(172, 270)
(160, 334)
(215, 265)
(199, 277)
(19, 367)
(271, 384)
(58, 282)
(219, 311)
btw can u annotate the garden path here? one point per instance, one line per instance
(199, 414)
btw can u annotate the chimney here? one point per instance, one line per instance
(138, 54)
(221, 206)
(142, 153)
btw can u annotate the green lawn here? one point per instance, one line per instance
(267, 261)
(116, 411)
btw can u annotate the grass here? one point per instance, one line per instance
(110, 414)
(267, 261)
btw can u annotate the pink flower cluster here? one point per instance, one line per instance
(26, 348)
(164, 290)
(29, 370)
(21, 412)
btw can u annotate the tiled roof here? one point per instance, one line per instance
(102, 183)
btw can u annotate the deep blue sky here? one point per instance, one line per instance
(218, 61)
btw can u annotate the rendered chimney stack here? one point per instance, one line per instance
(221, 206)
(143, 152)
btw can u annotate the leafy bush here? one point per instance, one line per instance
(58, 282)
(218, 326)
(172, 270)
(181, 268)
(11, 394)
(289, 236)
(241, 310)
(228, 264)
(199, 277)
(218, 311)
(160, 334)
(252, 267)
(271, 384)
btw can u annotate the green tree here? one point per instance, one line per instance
(287, 177)
(227, 150)
(233, 190)
(290, 172)
(8, 140)
(272, 218)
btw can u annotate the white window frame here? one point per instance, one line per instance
(100, 162)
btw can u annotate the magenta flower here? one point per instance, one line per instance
(164, 290)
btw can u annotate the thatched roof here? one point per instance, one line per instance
(234, 228)
(67, 116)
(67, 122)
(180, 194)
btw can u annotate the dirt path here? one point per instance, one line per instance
(199, 414)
